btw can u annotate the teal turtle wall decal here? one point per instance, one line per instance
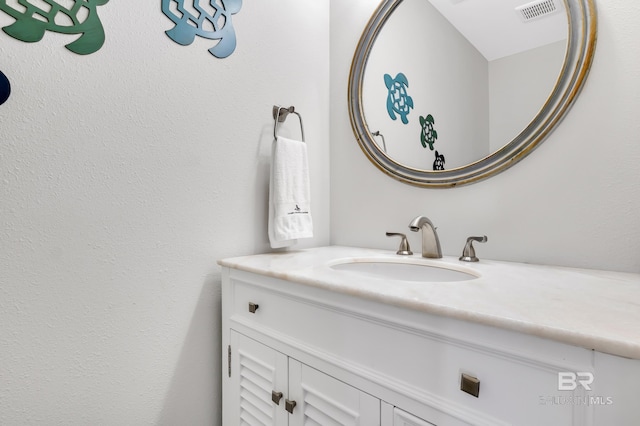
(71, 17)
(212, 22)
(398, 101)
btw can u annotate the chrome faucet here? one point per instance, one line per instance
(430, 240)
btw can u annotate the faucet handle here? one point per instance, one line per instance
(469, 253)
(404, 249)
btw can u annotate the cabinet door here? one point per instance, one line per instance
(323, 400)
(401, 418)
(256, 372)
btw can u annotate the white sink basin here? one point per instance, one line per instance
(403, 270)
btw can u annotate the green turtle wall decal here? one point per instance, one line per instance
(74, 17)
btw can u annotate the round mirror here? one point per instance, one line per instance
(450, 92)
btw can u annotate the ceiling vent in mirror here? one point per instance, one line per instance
(536, 9)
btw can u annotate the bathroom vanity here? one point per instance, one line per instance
(309, 341)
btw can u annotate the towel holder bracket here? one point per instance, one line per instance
(280, 115)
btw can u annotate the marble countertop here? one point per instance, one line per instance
(588, 308)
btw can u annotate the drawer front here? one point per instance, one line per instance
(260, 307)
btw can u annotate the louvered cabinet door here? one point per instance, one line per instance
(257, 371)
(322, 400)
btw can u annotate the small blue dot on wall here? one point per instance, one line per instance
(5, 88)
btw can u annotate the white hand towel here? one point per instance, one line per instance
(289, 195)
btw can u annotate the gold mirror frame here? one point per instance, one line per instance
(581, 44)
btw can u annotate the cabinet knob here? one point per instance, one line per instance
(289, 405)
(253, 307)
(276, 397)
(470, 385)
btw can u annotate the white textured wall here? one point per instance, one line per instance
(124, 176)
(574, 201)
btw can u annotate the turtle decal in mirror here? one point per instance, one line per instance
(71, 17)
(398, 101)
(428, 135)
(438, 163)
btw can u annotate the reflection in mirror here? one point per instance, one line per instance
(475, 83)
(463, 89)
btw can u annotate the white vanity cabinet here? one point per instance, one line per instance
(348, 360)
